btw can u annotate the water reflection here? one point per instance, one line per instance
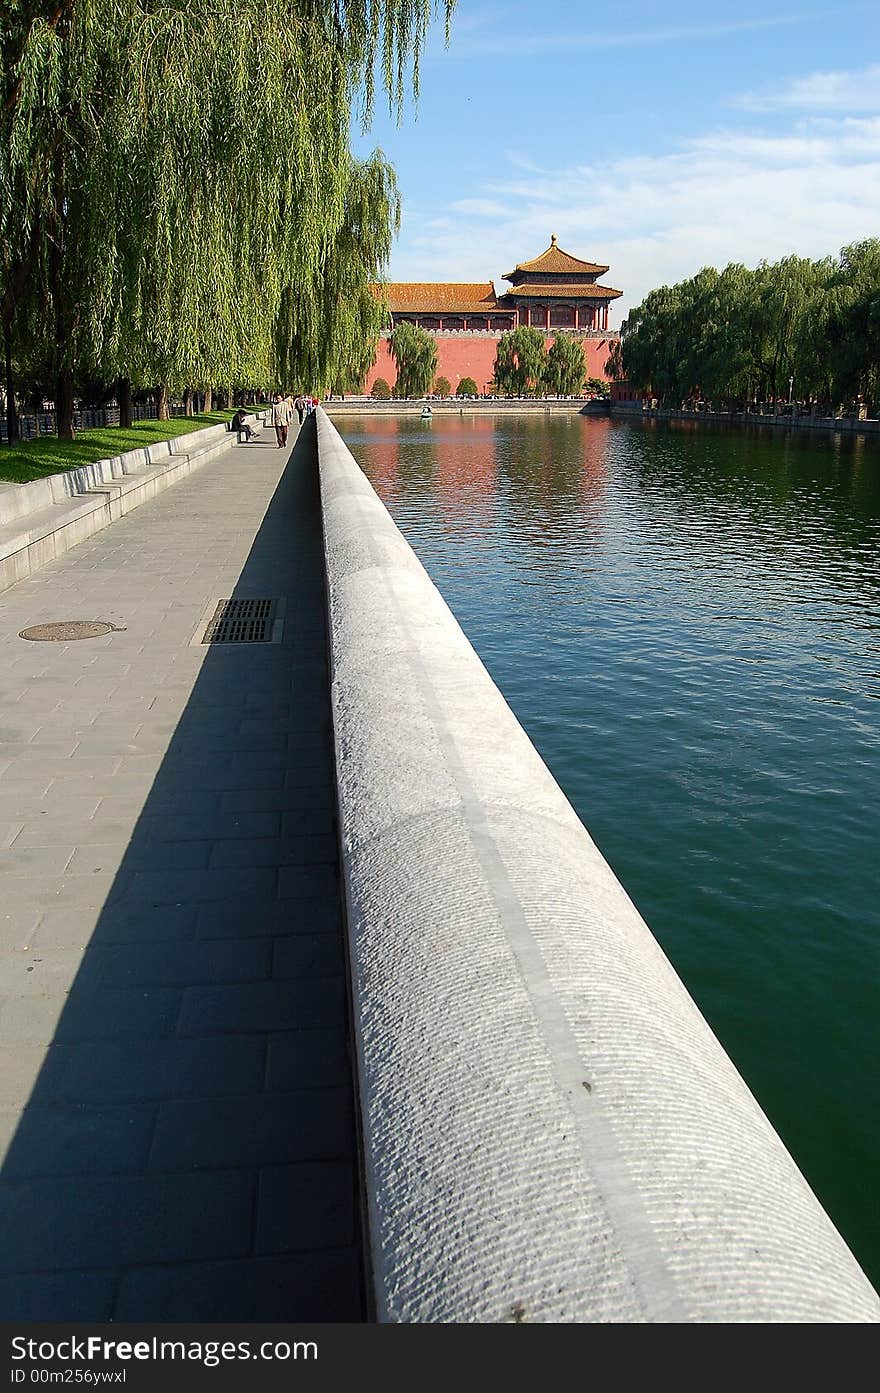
(686, 619)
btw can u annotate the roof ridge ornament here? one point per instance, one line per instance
(553, 239)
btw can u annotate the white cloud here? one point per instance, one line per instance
(727, 196)
(856, 90)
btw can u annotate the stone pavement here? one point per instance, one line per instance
(175, 1089)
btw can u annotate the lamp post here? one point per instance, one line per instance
(790, 388)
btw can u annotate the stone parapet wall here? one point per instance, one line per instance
(41, 520)
(467, 406)
(791, 421)
(551, 1131)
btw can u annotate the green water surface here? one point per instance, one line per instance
(687, 622)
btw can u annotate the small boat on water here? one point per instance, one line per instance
(426, 411)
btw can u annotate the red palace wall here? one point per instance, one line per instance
(474, 356)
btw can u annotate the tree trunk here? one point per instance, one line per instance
(209, 399)
(123, 396)
(64, 405)
(12, 429)
(162, 411)
(188, 401)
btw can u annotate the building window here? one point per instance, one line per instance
(453, 323)
(562, 317)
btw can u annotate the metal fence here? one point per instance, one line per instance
(34, 424)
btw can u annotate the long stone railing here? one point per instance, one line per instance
(44, 518)
(551, 1131)
(798, 420)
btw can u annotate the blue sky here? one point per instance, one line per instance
(658, 139)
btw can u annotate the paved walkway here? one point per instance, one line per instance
(175, 1093)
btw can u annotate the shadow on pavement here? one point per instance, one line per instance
(188, 1152)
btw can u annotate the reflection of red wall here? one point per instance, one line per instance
(473, 356)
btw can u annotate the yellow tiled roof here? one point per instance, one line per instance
(444, 297)
(585, 290)
(557, 262)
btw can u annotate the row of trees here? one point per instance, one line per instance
(523, 365)
(180, 205)
(739, 337)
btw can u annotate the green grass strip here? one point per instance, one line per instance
(34, 459)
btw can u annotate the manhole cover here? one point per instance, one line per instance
(66, 630)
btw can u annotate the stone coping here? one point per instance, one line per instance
(465, 407)
(551, 1132)
(44, 518)
(798, 421)
(17, 500)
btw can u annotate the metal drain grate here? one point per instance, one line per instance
(241, 621)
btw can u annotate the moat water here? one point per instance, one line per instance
(686, 621)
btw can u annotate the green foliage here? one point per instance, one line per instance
(739, 336)
(137, 237)
(467, 387)
(443, 387)
(34, 459)
(520, 362)
(566, 368)
(380, 390)
(597, 387)
(415, 353)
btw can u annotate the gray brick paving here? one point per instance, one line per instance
(256, 1289)
(59, 1296)
(176, 1107)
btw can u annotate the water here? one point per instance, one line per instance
(686, 622)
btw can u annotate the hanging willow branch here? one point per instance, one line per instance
(183, 168)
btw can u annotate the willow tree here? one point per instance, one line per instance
(328, 321)
(415, 353)
(847, 316)
(520, 362)
(566, 367)
(170, 166)
(795, 327)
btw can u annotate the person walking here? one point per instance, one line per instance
(300, 406)
(281, 417)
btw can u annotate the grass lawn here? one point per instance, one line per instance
(33, 459)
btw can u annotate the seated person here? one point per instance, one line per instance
(240, 424)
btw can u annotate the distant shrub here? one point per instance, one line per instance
(442, 387)
(597, 386)
(380, 390)
(467, 387)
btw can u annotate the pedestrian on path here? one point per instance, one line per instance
(281, 418)
(300, 407)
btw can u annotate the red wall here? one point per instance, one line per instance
(474, 356)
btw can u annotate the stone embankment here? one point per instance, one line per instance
(851, 425)
(41, 520)
(483, 406)
(551, 1131)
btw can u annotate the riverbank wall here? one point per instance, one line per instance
(466, 407)
(550, 1130)
(849, 425)
(42, 519)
